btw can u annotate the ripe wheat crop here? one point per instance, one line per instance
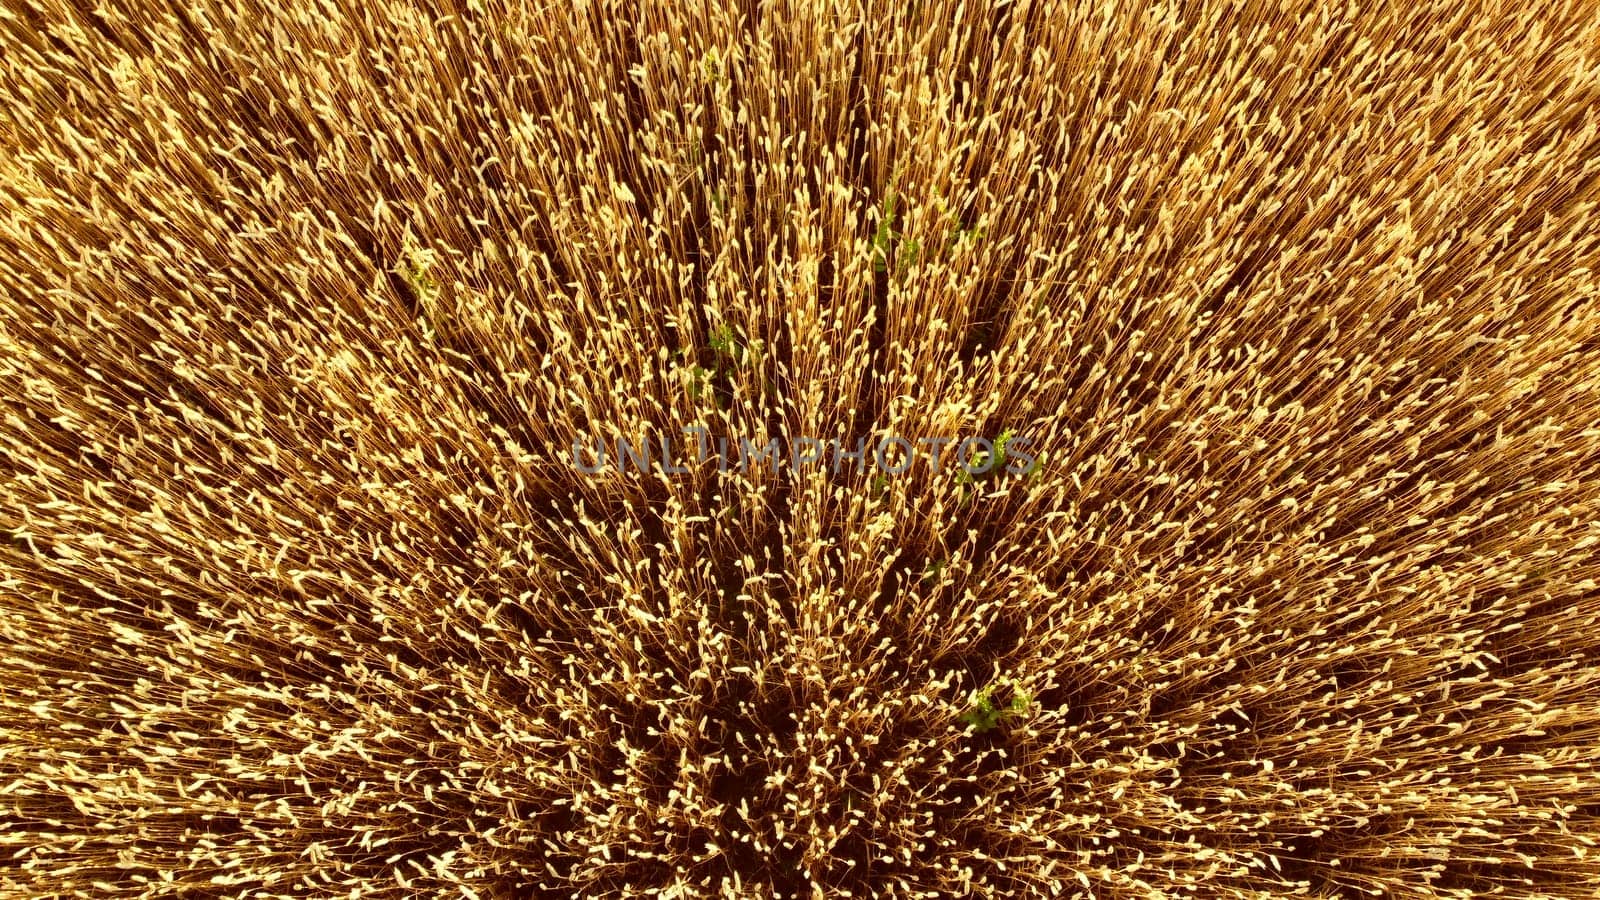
(1274, 326)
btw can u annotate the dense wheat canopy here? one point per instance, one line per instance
(306, 308)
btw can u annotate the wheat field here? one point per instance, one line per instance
(306, 310)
